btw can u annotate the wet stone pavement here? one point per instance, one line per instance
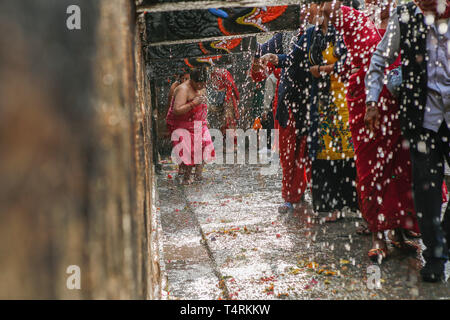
(224, 239)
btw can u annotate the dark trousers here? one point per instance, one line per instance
(333, 185)
(428, 157)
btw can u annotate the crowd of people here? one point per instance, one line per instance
(362, 105)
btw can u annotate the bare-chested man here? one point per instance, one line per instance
(187, 110)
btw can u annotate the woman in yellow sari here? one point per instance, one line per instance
(320, 54)
(331, 145)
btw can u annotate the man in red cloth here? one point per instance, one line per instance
(292, 144)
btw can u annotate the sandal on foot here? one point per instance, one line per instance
(407, 246)
(377, 254)
(285, 208)
(363, 230)
(412, 234)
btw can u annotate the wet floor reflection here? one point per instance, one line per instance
(224, 239)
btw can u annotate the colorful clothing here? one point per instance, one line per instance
(383, 164)
(262, 76)
(331, 146)
(292, 147)
(294, 162)
(335, 139)
(222, 80)
(258, 101)
(199, 147)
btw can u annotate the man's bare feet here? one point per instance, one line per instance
(187, 176)
(187, 181)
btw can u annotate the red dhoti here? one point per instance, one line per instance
(294, 162)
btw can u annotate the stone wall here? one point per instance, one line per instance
(76, 173)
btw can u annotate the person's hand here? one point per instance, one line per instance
(372, 116)
(200, 99)
(315, 71)
(269, 57)
(257, 66)
(203, 99)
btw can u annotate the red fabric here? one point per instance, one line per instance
(223, 80)
(444, 192)
(262, 75)
(294, 163)
(444, 15)
(277, 73)
(293, 155)
(195, 123)
(382, 164)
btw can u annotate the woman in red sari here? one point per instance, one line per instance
(382, 161)
(188, 126)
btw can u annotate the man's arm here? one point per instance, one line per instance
(171, 92)
(386, 53)
(181, 105)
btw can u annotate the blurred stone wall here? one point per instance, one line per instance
(76, 173)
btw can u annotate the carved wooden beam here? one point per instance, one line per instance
(198, 25)
(180, 5)
(202, 49)
(167, 68)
